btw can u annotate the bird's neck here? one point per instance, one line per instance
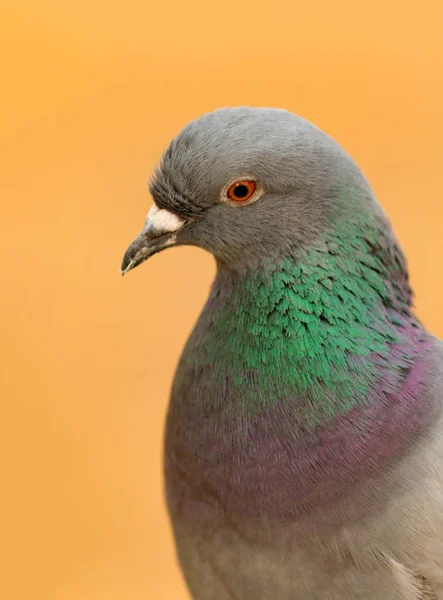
(332, 329)
(311, 362)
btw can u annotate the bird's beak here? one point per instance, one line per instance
(158, 233)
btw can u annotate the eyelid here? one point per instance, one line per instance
(245, 177)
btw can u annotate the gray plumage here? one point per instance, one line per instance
(304, 445)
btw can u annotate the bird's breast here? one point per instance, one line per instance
(221, 456)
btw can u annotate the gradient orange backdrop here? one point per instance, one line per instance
(91, 94)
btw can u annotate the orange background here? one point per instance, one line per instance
(92, 92)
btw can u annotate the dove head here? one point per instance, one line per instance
(250, 185)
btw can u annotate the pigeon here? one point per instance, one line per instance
(304, 436)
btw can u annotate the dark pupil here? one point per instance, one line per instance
(241, 191)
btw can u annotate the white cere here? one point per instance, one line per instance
(161, 220)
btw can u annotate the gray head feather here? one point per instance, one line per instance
(298, 166)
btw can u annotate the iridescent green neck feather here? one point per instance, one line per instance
(332, 328)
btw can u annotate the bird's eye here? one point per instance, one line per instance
(242, 191)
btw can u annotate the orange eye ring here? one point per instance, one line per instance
(242, 191)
